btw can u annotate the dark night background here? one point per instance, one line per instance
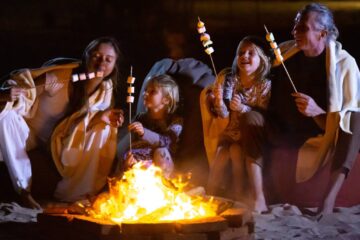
(33, 31)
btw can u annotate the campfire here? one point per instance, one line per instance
(144, 195)
(145, 205)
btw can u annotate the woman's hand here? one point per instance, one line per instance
(235, 103)
(12, 94)
(136, 127)
(113, 117)
(306, 105)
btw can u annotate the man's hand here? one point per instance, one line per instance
(306, 105)
(136, 127)
(12, 94)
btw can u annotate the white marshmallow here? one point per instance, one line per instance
(130, 99)
(273, 45)
(209, 50)
(82, 76)
(207, 43)
(270, 37)
(91, 75)
(131, 89)
(99, 74)
(75, 77)
(204, 37)
(130, 80)
(201, 30)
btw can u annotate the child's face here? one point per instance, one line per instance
(248, 58)
(102, 59)
(154, 98)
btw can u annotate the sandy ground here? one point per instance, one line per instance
(281, 222)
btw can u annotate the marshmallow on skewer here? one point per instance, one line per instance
(75, 77)
(130, 80)
(131, 90)
(209, 50)
(271, 39)
(99, 74)
(206, 41)
(86, 76)
(82, 76)
(130, 99)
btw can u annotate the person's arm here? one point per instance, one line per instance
(167, 139)
(112, 117)
(222, 96)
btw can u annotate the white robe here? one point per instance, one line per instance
(16, 137)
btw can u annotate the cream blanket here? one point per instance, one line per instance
(84, 155)
(26, 78)
(343, 79)
(344, 95)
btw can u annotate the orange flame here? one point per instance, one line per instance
(143, 195)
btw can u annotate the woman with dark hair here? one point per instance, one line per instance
(35, 100)
(83, 145)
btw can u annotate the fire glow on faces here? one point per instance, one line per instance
(102, 59)
(248, 58)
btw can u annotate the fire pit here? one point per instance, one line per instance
(144, 205)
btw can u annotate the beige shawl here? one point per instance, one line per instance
(72, 131)
(26, 78)
(343, 79)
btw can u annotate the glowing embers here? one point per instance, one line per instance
(143, 195)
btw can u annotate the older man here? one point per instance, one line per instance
(323, 115)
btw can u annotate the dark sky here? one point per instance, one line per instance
(31, 32)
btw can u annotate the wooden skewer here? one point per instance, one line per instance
(131, 74)
(210, 55)
(283, 64)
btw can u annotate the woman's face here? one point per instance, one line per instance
(248, 58)
(102, 59)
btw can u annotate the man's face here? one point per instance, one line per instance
(307, 33)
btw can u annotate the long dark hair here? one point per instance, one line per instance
(78, 95)
(93, 45)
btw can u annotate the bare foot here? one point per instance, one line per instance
(260, 206)
(28, 200)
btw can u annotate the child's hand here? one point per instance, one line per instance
(236, 104)
(218, 92)
(136, 127)
(130, 160)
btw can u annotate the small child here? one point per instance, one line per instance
(242, 94)
(158, 129)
